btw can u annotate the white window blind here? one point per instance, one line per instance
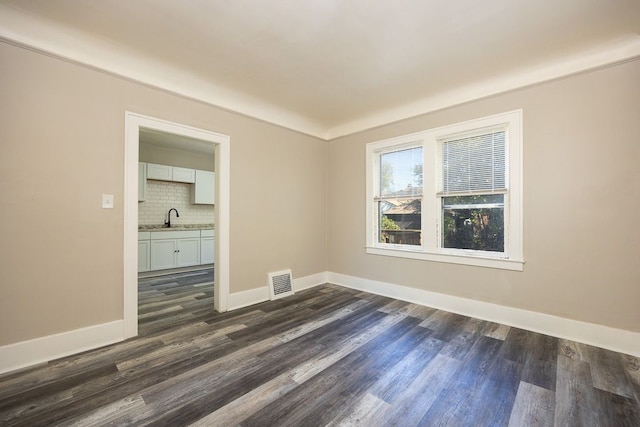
(474, 164)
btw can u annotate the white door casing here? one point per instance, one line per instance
(133, 123)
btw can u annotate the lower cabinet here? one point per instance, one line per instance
(207, 243)
(163, 254)
(160, 250)
(188, 252)
(144, 254)
(171, 249)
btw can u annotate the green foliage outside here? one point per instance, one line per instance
(480, 228)
(388, 224)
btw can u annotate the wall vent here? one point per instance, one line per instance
(280, 284)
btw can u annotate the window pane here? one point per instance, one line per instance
(474, 163)
(401, 173)
(473, 222)
(400, 221)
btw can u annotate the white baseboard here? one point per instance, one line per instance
(258, 295)
(40, 350)
(310, 281)
(246, 298)
(619, 340)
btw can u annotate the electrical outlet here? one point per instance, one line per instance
(107, 201)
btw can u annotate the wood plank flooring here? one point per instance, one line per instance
(327, 356)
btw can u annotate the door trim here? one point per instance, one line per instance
(133, 123)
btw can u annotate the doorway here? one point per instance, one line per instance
(134, 124)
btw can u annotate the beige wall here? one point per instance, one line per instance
(62, 136)
(581, 202)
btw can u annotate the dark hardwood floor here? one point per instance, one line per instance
(324, 356)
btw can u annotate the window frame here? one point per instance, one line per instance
(432, 248)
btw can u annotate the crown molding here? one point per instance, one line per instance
(616, 52)
(55, 40)
(67, 44)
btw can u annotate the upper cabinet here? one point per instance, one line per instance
(160, 172)
(203, 192)
(170, 173)
(184, 175)
(142, 181)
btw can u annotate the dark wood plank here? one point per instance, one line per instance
(541, 362)
(502, 386)
(380, 359)
(453, 403)
(607, 371)
(517, 345)
(314, 399)
(46, 390)
(631, 366)
(497, 331)
(614, 410)
(444, 324)
(462, 341)
(396, 380)
(410, 406)
(575, 395)
(534, 406)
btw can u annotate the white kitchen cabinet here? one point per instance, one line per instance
(184, 175)
(188, 252)
(142, 181)
(203, 191)
(159, 172)
(163, 254)
(170, 173)
(207, 247)
(144, 251)
(171, 249)
(165, 249)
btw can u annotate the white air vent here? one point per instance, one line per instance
(280, 284)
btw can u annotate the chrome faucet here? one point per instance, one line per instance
(167, 223)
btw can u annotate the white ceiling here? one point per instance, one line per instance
(331, 67)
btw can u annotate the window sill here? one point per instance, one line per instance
(503, 264)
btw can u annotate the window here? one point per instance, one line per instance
(451, 194)
(472, 188)
(399, 199)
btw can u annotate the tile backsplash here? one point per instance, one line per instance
(162, 196)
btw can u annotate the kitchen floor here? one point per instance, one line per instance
(173, 299)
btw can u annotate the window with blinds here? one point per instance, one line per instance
(473, 187)
(449, 194)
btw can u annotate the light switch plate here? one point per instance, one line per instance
(107, 201)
